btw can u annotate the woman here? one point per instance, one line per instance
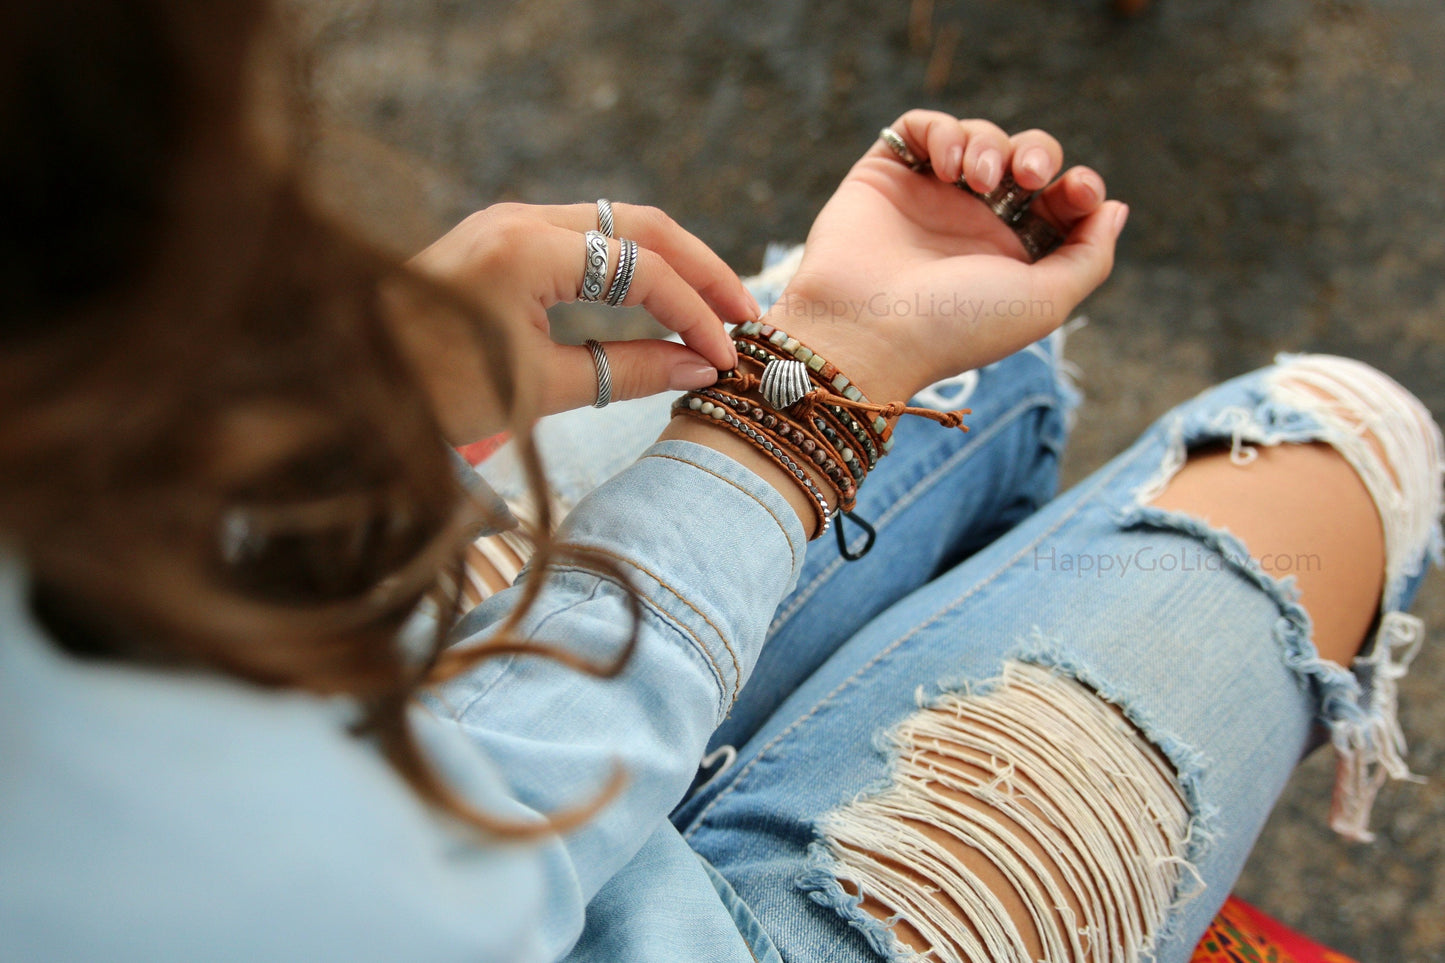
(230, 520)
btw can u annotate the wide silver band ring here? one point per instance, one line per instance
(604, 373)
(1008, 201)
(604, 216)
(626, 268)
(594, 268)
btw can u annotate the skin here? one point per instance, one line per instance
(892, 237)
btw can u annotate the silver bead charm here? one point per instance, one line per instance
(784, 382)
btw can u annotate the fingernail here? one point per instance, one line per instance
(690, 375)
(757, 308)
(988, 167)
(1120, 219)
(1036, 162)
(1093, 190)
(953, 163)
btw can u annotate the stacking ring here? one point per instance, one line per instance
(604, 374)
(604, 216)
(1008, 201)
(594, 268)
(1037, 235)
(626, 267)
(900, 147)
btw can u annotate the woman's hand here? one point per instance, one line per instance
(906, 279)
(521, 259)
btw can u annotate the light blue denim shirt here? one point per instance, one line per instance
(166, 815)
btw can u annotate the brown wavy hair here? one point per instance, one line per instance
(215, 453)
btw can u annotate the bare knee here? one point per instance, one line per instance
(1031, 822)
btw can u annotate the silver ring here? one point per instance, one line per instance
(604, 374)
(626, 267)
(1008, 200)
(594, 268)
(900, 148)
(604, 216)
(1037, 235)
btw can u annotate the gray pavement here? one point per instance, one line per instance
(1283, 159)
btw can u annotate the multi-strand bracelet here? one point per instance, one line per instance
(801, 411)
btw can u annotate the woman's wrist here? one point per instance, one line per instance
(862, 353)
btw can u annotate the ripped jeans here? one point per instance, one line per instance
(1101, 698)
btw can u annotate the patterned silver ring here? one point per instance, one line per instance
(900, 147)
(604, 374)
(604, 216)
(594, 268)
(626, 267)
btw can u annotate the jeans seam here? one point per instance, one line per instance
(1125, 461)
(763, 505)
(915, 492)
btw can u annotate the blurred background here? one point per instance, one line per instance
(1285, 161)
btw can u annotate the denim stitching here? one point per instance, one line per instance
(781, 527)
(1147, 444)
(912, 495)
(732, 653)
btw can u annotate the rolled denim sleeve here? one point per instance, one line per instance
(711, 550)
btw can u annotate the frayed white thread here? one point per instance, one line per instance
(1037, 765)
(1353, 402)
(1371, 750)
(1175, 455)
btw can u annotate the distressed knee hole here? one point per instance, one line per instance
(1029, 822)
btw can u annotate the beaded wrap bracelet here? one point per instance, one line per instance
(798, 408)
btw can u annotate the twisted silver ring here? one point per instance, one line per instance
(626, 267)
(604, 374)
(900, 148)
(594, 268)
(604, 216)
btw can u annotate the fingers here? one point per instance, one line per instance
(979, 152)
(1087, 255)
(1070, 199)
(1036, 158)
(694, 261)
(638, 369)
(655, 285)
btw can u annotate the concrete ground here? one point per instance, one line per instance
(1284, 159)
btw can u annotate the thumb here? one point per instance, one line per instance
(1087, 256)
(638, 368)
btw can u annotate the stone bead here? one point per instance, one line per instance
(803, 354)
(818, 456)
(840, 382)
(706, 407)
(766, 330)
(791, 345)
(852, 393)
(828, 371)
(809, 445)
(757, 413)
(880, 425)
(750, 327)
(770, 421)
(719, 413)
(694, 403)
(816, 363)
(830, 465)
(778, 337)
(887, 444)
(847, 454)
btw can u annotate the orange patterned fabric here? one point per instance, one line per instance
(1242, 934)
